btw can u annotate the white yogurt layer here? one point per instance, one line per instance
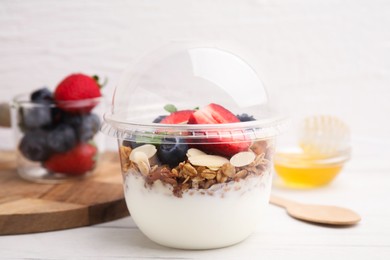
(225, 215)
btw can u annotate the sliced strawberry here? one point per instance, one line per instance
(178, 117)
(213, 114)
(78, 161)
(228, 143)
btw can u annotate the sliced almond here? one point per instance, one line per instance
(148, 149)
(210, 161)
(194, 152)
(143, 167)
(142, 161)
(242, 159)
(140, 157)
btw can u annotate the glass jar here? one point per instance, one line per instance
(59, 141)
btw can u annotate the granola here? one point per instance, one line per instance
(186, 175)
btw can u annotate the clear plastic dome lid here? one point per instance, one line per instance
(189, 78)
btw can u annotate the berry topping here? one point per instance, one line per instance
(77, 87)
(78, 161)
(227, 145)
(43, 95)
(213, 114)
(62, 138)
(172, 151)
(245, 117)
(178, 117)
(158, 119)
(126, 143)
(33, 145)
(132, 144)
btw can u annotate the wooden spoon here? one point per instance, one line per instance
(322, 214)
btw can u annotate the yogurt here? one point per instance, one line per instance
(222, 215)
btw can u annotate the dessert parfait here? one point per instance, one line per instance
(197, 176)
(203, 192)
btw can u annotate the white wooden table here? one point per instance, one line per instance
(364, 186)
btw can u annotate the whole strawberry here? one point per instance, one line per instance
(77, 161)
(77, 87)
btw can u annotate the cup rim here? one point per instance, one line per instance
(113, 120)
(221, 133)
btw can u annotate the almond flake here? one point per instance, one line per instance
(194, 152)
(242, 159)
(143, 167)
(139, 156)
(148, 149)
(142, 161)
(210, 161)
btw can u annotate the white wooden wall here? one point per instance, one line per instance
(328, 56)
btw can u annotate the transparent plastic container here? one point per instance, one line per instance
(57, 142)
(203, 181)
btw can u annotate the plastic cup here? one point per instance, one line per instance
(194, 186)
(189, 205)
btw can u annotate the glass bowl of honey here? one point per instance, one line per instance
(316, 155)
(299, 170)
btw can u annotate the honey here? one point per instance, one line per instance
(298, 171)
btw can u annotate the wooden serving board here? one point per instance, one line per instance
(27, 207)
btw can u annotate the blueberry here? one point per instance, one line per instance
(72, 120)
(86, 126)
(89, 127)
(56, 115)
(62, 138)
(43, 95)
(127, 143)
(35, 117)
(131, 144)
(245, 117)
(172, 151)
(158, 119)
(34, 146)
